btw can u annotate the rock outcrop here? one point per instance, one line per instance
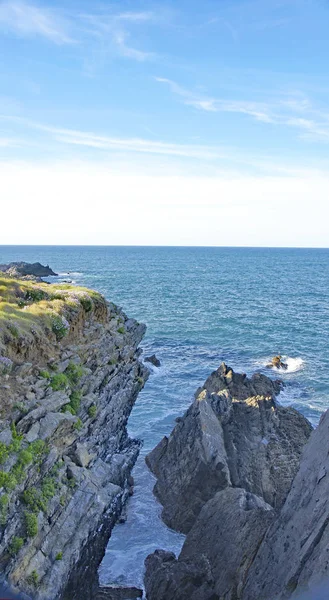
(234, 434)
(69, 376)
(24, 269)
(277, 363)
(233, 449)
(153, 360)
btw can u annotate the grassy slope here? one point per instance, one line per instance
(29, 309)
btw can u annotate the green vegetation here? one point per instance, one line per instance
(44, 374)
(92, 411)
(33, 579)
(121, 330)
(59, 382)
(15, 545)
(59, 556)
(8, 481)
(4, 453)
(29, 309)
(38, 449)
(140, 380)
(78, 425)
(4, 504)
(73, 373)
(31, 524)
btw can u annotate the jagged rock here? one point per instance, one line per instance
(277, 363)
(81, 456)
(153, 360)
(234, 434)
(22, 269)
(294, 554)
(226, 535)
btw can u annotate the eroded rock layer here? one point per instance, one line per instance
(68, 382)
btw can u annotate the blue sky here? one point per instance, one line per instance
(166, 98)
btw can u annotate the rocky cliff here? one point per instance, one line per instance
(224, 477)
(69, 376)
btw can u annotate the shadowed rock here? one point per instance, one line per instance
(153, 360)
(234, 434)
(225, 537)
(23, 269)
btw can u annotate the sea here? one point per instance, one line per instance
(201, 306)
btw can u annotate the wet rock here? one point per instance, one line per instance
(277, 363)
(118, 593)
(153, 360)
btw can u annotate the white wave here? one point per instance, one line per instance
(70, 274)
(294, 364)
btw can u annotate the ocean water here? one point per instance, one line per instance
(201, 306)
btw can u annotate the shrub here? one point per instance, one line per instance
(44, 374)
(74, 373)
(35, 295)
(31, 524)
(7, 481)
(121, 330)
(92, 411)
(21, 407)
(86, 302)
(60, 326)
(38, 449)
(59, 556)
(4, 453)
(4, 503)
(31, 497)
(15, 545)
(78, 425)
(140, 380)
(48, 488)
(75, 401)
(59, 382)
(33, 578)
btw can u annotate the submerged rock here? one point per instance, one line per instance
(234, 434)
(154, 360)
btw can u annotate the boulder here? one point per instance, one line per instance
(225, 537)
(234, 434)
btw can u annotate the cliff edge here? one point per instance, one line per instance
(69, 376)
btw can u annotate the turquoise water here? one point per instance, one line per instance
(201, 306)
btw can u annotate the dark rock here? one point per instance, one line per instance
(22, 269)
(118, 593)
(294, 554)
(234, 434)
(226, 535)
(154, 360)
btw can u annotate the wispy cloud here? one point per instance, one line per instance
(295, 111)
(28, 20)
(112, 29)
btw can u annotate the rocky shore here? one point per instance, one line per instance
(246, 480)
(69, 376)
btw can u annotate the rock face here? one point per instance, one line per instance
(227, 469)
(234, 434)
(23, 269)
(217, 552)
(294, 554)
(64, 450)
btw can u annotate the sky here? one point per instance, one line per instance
(181, 122)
